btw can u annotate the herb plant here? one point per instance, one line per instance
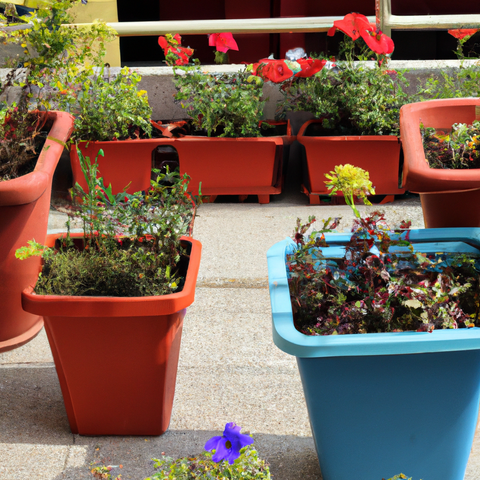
(457, 149)
(381, 284)
(131, 243)
(223, 105)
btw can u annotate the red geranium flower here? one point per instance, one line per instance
(461, 33)
(222, 41)
(309, 67)
(352, 24)
(172, 44)
(377, 41)
(262, 63)
(276, 71)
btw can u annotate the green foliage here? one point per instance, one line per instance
(106, 107)
(458, 148)
(460, 82)
(34, 249)
(224, 105)
(131, 243)
(51, 42)
(247, 467)
(350, 99)
(53, 53)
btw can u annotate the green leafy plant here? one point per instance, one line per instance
(131, 243)
(224, 105)
(107, 107)
(457, 148)
(52, 53)
(349, 97)
(459, 82)
(380, 284)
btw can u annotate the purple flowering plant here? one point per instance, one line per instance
(381, 284)
(228, 456)
(228, 446)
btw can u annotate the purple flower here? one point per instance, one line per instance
(228, 446)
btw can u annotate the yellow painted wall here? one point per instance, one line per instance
(105, 10)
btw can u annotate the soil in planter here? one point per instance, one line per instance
(109, 270)
(454, 148)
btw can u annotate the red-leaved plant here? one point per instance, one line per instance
(381, 284)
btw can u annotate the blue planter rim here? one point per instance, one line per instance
(290, 340)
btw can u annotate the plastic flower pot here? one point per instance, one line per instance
(125, 162)
(385, 403)
(377, 154)
(24, 208)
(117, 357)
(223, 166)
(445, 193)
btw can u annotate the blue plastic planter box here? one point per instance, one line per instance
(384, 403)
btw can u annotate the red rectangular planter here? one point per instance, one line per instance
(377, 154)
(223, 166)
(117, 357)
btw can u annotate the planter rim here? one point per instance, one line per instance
(278, 139)
(293, 342)
(418, 177)
(28, 188)
(78, 306)
(301, 137)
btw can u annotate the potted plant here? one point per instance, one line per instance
(356, 105)
(377, 319)
(32, 139)
(112, 115)
(113, 300)
(31, 145)
(230, 150)
(447, 188)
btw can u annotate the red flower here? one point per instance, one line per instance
(461, 33)
(377, 41)
(222, 41)
(262, 63)
(172, 44)
(276, 71)
(352, 24)
(309, 67)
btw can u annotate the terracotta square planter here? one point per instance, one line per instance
(117, 357)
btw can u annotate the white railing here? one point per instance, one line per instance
(384, 19)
